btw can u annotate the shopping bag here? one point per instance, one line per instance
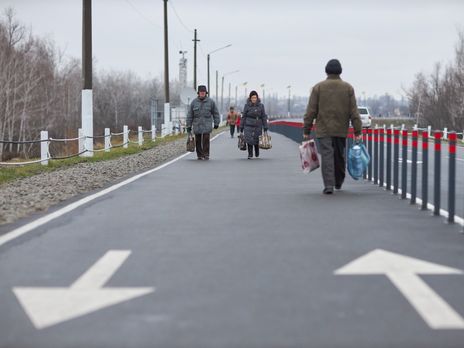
(308, 156)
(265, 141)
(241, 142)
(358, 160)
(190, 143)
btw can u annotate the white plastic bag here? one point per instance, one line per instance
(308, 156)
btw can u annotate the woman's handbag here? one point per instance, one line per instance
(241, 142)
(190, 143)
(265, 141)
(358, 160)
(308, 156)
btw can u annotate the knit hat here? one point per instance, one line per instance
(333, 67)
(202, 88)
(252, 93)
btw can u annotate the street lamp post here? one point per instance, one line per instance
(167, 107)
(289, 95)
(217, 92)
(245, 85)
(222, 88)
(208, 60)
(262, 86)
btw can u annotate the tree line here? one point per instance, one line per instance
(40, 89)
(438, 99)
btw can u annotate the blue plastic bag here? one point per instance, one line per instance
(358, 160)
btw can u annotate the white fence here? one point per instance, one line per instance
(45, 142)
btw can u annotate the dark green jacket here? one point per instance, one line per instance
(332, 105)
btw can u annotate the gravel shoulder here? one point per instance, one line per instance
(23, 197)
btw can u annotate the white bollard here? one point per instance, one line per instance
(167, 119)
(429, 130)
(445, 133)
(402, 127)
(140, 132)
(415, 127)
(44, 148)
(125, 137)
(153, 132)
(80, 135)
(163, 130)
(87, 121)
(107, 140)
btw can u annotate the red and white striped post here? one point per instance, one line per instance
(452, 138)
(437, 175)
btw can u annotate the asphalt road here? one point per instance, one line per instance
(235, 253)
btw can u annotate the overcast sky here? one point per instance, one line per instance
(381, 44)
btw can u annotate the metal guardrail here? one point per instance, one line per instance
(396, 173)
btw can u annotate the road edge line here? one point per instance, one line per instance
(20, 231)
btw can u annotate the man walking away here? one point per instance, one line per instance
(201, 116)
(332, 105)
(232, 120)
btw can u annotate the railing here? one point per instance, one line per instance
(398, 165)
(45, 142)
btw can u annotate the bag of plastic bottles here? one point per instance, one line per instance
(358, 160)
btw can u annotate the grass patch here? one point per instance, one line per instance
(12, 173)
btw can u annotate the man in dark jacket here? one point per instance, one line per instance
(332, 105)
(201, 116)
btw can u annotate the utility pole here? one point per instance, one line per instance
(228, 100)
(222, 94)
(87, 96)
(289, 96)
(208, 59)
(195, 40)
(236, 95)
(208, 74)
(217, 87)
(167, 109)
(262, 86)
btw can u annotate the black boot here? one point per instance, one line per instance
(250, 151)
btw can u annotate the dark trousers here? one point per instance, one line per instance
(332, 151)
(232, 130)
(202, 145)
(250, 150)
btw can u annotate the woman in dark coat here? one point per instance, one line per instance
(254, 119)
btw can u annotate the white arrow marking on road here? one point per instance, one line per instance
(50, 306)
(402, 272)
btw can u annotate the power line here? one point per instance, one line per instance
(178, 17)
(143, 16)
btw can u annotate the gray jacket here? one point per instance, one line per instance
(202, 114)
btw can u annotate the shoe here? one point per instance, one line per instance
(328, 191)
(338, 187)
(250, 157)
(206, 158)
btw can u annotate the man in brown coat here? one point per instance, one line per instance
(332, 105)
